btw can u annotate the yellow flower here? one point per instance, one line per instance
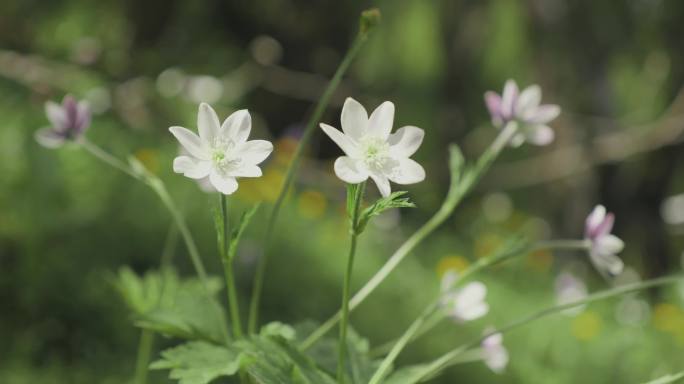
(587, 325)
(451, 263)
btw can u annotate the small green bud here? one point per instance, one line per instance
(369, 19)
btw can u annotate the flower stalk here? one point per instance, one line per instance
(231, 291)
(354, 216)
(368, 21)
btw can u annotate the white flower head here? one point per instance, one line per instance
(494, 353)
(524, 109)
(372, 150)
(68, 122)
(570, 289)
(603, 246)
(466, 303)
(221, 152)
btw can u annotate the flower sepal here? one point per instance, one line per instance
(394, 200)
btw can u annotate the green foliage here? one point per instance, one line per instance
(236, 234)
(394, 200)
(162, 302)
(199, 362)
(456, 163)
(407, 375)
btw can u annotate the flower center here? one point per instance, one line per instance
(223, 155)
(375, 151)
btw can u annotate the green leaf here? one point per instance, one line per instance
(351, 193)
(278, 329)
(198, 362)
(394, 200)
(456, 163)
(408, 375)
(162, 302)
(274, 360)
(237, 232)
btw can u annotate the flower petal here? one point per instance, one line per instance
(207, 122)
(593, 221)
(493, 102)
(544, 114)
(528, 102)
(472, 293)
(407, 171)
(56, 115)
(540, 135)
(354, 119)
(607, 263)
(406, 141)
(382, 182)
(508, 99)
(342, 141)
(247, 170)
(83, 116)
(381, 120)
(49, 138)
(224, 184)
(255, 151)
(190, 142)
(349, 170)
(472, 312)
(237, 126)
(609, 244)
(191, 168)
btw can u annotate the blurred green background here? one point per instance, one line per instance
(67, 223)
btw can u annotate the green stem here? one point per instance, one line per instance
(228, 271)
(144, 352)
(402, 342)
(291, 172)
(342, 343)
(458, 188)
(106, 157)
(449, 358)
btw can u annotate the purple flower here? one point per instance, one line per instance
(523, 109)
(68, 122)
(494, 353)
(603, 246)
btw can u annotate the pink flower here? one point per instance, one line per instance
(603, 246)
(524, 109)
(494, 353)
(68, 122)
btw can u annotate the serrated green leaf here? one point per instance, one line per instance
(394, 200)
(198, 362)
(237, 232)
(142, 294)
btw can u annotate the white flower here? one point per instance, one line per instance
(603, 246)
(523, 109)
(370, 149)
(68, 122)
(570, 289)
(464, 304)
(221, 152)
(494, 353)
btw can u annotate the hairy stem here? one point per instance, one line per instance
(342, 343)
(291, 172)
(457, 190)
(144, 352)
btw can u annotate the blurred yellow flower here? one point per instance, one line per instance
(487, 244)
(668, 317)
(451, 263)
(587, 325)
(311, 204)
(149, 158)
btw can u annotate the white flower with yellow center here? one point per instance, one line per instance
(221, 152)
(372, 150)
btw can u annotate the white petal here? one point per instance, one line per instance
(342, 141)
(472, 293)
(191, 168)
(207, 122)
(471, 312)
(224, 184)
(528, 101)
(508, 99)
(595, 218)
(607, 263)
(544, 114)
(381, 120)
(55, 114)
(383, 184)
(609, 244)
(354, 119)
(237, 126)
(48, 138)
(540, 135)
(248, 170)
(255, 151)
(190, 142)
(406, 141)
(349, 170)
(407, 171)
(496, 359)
